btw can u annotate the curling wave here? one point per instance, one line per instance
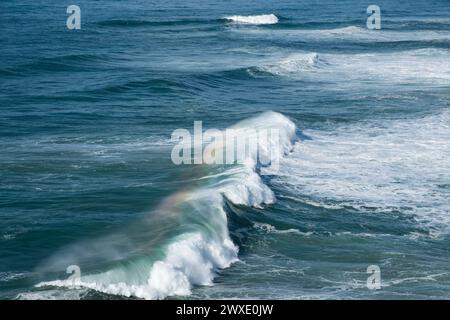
(186, 240)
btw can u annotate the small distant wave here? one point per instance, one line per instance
(12, 233)
(268, 228)
(347, 33)
(10, 276)
(121, 23)
(153, 85)
(346, 30)
(256, 19)
(61, 63)
(429, 65)
(383, 35)
(292, 64)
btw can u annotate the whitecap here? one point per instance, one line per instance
(255, 19)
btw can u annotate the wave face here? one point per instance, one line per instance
(257, 19)
(191, 257)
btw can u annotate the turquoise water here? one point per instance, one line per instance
(86, 176)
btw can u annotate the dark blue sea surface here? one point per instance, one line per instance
(86, 176)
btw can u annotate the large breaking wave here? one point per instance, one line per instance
(186, 240)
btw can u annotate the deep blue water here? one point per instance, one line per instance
(86, 176)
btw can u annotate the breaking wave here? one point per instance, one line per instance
(256, 19)
(185, 241)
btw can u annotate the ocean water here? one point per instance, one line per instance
(86, 176)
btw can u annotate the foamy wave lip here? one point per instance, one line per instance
(244, 185)
(247, 189)
(349, 33)
(265, 121)
(190, 261)
(257, 19)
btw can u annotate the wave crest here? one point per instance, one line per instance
(256, 19)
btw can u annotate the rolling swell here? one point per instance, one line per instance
(151, 23)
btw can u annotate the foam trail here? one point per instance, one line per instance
(203, 246)
(257, 19)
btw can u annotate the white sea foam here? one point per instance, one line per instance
(271, 229)
(191, 260)
(245, 187)
(256, 19)
(293, 64)
(429, 66)
(350, 33)
(242, 184)
(52, 294)
(398, 166)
